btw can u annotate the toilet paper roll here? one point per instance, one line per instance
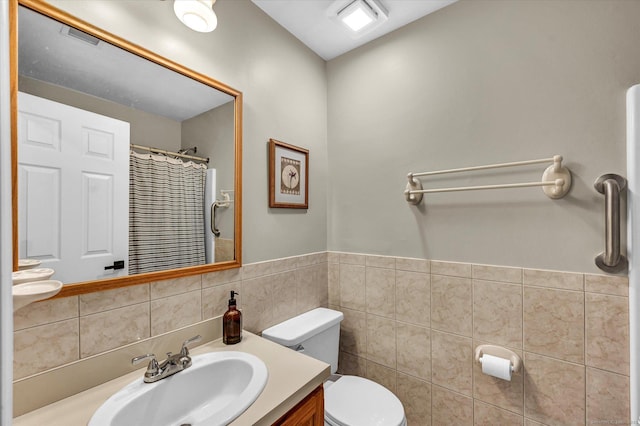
(496, 367)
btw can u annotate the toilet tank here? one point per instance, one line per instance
(315, 333)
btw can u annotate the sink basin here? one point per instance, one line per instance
(29, 275)
(26, 293)
(217, 388)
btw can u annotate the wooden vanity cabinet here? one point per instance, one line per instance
(308, 412)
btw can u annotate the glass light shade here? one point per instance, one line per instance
(196, 14)
(357, 15)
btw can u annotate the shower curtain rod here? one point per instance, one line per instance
(173, 154)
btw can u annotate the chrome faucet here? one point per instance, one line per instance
(170, 366)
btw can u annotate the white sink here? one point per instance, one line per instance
(29, 275)
(217, 388)
(26, 293)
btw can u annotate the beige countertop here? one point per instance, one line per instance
(292, 376)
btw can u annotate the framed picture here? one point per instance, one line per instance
(288, 176)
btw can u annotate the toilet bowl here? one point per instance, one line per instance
(349, 400)
(355, 401)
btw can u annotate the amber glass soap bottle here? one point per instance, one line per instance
(232, 323)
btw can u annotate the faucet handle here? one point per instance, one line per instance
(140, 358)
(152, 368)
(185, 350)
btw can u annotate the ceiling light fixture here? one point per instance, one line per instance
(360, 15)
(196, 14)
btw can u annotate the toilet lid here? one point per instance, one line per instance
(356, 401)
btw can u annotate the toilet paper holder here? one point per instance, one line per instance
(500, 352)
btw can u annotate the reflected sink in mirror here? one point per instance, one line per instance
(26, 293)
(29, 275)
(28, 264)
(216, 389)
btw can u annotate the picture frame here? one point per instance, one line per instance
(288, 176)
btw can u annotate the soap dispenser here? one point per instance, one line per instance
(232, 323)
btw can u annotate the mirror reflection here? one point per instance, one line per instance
(124, 166)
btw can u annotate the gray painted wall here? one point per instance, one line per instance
(482, 82)
(212, 132)
(285, 97)
(477, 82)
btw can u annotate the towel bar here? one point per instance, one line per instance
(556, 180)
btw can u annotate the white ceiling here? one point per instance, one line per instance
(47, 53)
(313, 21)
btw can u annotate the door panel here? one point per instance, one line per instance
(40, 194)
(97, 214)
(88, 200)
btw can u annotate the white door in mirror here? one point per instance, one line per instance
(73, 183)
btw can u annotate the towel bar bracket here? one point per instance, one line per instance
(413, 185)
(553, 173)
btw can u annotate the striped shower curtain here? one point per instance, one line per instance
(166, 213)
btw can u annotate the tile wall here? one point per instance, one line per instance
(224, 249)
(60, 331)
(412, 325)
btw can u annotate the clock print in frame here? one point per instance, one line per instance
(288, 176)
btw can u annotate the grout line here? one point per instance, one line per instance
(431, 343)
(584, 343)
(522, 334)
(473, 312)
(79, 342)
(150, 311)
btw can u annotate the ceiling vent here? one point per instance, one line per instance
(80, 35)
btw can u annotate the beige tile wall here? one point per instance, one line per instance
(224, 249)
(60, 331)
(412, 325)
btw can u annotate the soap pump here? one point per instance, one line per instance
(232, 322)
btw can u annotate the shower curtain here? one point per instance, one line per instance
(166, 219)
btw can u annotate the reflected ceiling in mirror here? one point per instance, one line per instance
(65, 63)
(56, 53)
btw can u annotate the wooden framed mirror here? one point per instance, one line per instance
(83, 99)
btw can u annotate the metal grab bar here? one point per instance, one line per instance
(224, 203)
(611, 185)
(216, 231)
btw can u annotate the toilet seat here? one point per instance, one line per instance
(355, 401)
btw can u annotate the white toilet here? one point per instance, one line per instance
(350, 400)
